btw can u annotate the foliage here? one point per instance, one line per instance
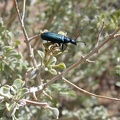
(12, 64)
(10, 96)
(17, 75)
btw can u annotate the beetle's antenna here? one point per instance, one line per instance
(80, 41)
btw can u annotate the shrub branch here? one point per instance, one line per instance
(21, 19)
(80, 61)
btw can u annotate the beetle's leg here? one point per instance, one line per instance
(64, 46)
(60, 45)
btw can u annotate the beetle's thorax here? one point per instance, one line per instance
(66, 39)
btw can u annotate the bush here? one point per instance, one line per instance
(33, 71)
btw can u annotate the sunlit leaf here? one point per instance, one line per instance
(55, 112)
(53, 71)
(5, 91)
(41, 54)
(19, 83)
(60, 66)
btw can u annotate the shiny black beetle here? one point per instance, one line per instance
(58, 38)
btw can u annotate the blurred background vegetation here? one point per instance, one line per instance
(73, 17)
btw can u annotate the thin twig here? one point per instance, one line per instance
(23, 15)
(42, 104)
(117, 35)
(99, 34)
(87, 60)
(26, 37)
(34, 37)
(36, 89)
(88, 93)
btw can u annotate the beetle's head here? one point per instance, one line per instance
(73, 41)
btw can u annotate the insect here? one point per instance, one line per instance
(58, 38)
